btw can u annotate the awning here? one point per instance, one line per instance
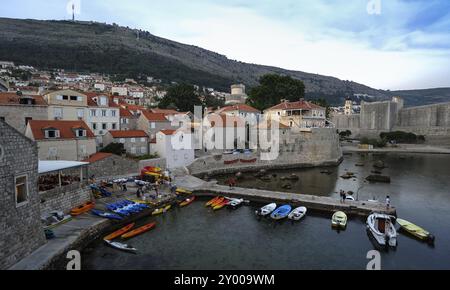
(52, 166)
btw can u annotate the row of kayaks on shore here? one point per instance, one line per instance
(127, 233)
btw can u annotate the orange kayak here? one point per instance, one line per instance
(187, 201)
(212, 201)
(221, 205)
(119, 232)
(82, 208)
(218, 201)
(138, 231)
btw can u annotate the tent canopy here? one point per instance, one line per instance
(52, 166)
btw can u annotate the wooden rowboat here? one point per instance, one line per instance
(119, 232)
(138, 231)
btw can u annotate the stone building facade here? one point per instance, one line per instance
(103, 165)
(22, 232)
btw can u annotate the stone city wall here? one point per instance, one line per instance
(64, 199)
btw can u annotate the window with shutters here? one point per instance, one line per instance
(21, 190)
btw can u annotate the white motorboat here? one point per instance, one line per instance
(382, 228)
(350, 198)
(266, 210)
(298, 213)
(234, 203)
(120, 246)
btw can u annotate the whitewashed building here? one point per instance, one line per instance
(175, 147)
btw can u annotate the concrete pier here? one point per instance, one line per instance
(319, 203)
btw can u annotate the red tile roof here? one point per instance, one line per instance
(11, 98)
(164, 111)
(168, 132)
(155, 117)
(227, 121)
(239, 107)
(128, 134)
(66, 128)
(97, 157)
(125, 113)
(300, 105)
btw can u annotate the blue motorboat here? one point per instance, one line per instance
(281, 212)
(106, 215)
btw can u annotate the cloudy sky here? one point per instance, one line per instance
(400, 44)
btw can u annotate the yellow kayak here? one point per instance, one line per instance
(183, 191)
(161, 210)
(416, 231)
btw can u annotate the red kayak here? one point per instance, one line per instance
(138, 231)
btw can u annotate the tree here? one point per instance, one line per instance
(273, 88)
(114, 148)
(212, 101)
(182, 97)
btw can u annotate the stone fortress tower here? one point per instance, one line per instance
(238, 95)
(348, 109)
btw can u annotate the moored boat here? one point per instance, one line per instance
(118, 233)
(339, 220)
(415, 230)
(187, 201)
(120, 246)
(382, 229)
(235, 203)
(281, 212)
(161, 210)
(266, 210)
(138, 231)
(298, 213)
(212, 201)
(221, 205)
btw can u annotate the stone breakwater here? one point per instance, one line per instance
(320, 147)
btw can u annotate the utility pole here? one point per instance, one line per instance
(73, 12)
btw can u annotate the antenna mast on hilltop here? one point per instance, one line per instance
(73, 12)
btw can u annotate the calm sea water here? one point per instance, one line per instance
(197, 238)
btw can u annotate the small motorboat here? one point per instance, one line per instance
(235, 203)
(106, 215)
(297, 214)
(415, 230)
(339, 220)
(188, 201)
(118, 233)
(281, 212)
(138, 231)
(212, 201)
(221, 205)
(120, 246)
(382, 229)
(266, 210)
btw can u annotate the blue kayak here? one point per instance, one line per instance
(281, 212)
(106, 215)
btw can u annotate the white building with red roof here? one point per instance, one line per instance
(62, 140)
(301, 114)
(176, 147)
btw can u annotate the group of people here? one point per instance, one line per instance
(167, 181)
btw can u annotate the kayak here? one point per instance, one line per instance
(221, 205)
(138, 231)
(266, 210)
(120, 246)
(187, 201)
(119, 232)
(281, 212)
(106, 215)
(298, 213)
(82, 208)
(183, 191)
(415, 230)
(161, 210)
(212, 201)
(218, 201)
(339, 219)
